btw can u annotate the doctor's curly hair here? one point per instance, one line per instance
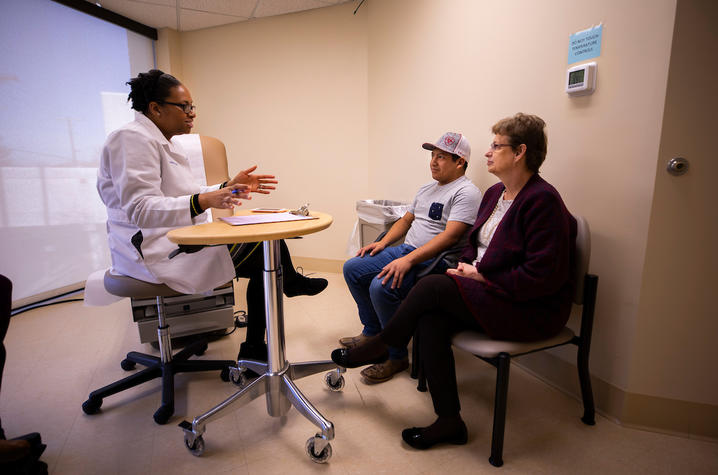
(152, 86)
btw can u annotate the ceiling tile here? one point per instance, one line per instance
(151, 14)
(196, 14)
(193, 20)
(273, 7)
(112, 4)
(242, 8)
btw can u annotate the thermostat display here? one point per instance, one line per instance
(581, 80)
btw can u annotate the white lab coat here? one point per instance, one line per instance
(146, 184)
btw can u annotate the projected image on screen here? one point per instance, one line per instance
(62, 83)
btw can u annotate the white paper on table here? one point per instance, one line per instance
(264, 218)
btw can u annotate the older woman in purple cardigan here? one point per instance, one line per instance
(513, 281)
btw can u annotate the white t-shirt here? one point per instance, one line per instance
(486, 233)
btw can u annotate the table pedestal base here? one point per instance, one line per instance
(277, 375)
(281, 394)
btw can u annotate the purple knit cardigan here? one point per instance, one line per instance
(527, 265)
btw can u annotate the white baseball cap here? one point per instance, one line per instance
(453, 143)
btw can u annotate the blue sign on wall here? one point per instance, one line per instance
(585, 44)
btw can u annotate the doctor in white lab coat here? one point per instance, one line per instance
(146, 183)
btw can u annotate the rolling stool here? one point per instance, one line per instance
(166, 365)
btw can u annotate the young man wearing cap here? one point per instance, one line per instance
(439, 219)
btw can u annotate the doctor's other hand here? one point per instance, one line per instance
(257, 183)
(224, 198)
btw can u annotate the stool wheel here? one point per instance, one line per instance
(334, 381)
(321, 457)
(224, 374)
(163, 414)
(127, 365)
(201, 349)
(196, 448)
(92, 405)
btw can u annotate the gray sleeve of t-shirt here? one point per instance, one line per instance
(465, 204)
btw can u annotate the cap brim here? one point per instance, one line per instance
(428, 146)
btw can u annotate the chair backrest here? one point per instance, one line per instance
(583, 256)
(214, 155)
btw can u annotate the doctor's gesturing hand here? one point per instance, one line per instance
(224, 198)
(257, 183)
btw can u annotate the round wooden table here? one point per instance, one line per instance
(277, 374)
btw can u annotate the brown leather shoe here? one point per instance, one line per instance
(352, 341)
(11, 450)
(380, 372)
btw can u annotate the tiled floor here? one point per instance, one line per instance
(58, 354)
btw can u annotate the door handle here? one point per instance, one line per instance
(677, 166)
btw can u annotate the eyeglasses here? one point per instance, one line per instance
(495, 146)
(186, 108)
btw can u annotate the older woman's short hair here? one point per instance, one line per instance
(525, 129)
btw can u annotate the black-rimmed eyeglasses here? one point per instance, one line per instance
(186, 108)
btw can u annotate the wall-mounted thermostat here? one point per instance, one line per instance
(581, 79)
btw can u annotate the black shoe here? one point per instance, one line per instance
(301, 285)
(35, 441)
(252, 351)
(417, 437)
(343, 358)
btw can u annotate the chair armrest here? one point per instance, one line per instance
(428, 270)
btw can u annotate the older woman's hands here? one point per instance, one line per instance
(224, 198)
(467, 270)
(257, 183)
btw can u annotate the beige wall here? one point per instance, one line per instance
(338, 105)
(289, 93)
(497, 58)
(168, 52)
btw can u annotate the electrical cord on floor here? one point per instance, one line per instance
(47, 302)
(240, 321)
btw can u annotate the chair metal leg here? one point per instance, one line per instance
(417, 371)
(584, 347)
(415, 356)
(503, 365)
(584, 377)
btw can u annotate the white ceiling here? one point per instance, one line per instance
(187, 15)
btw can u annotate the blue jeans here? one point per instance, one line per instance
(376, 302)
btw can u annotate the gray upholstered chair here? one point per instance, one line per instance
(499, 353)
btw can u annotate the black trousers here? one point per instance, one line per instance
(5, 312)
(434, 310)
(249, 263)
